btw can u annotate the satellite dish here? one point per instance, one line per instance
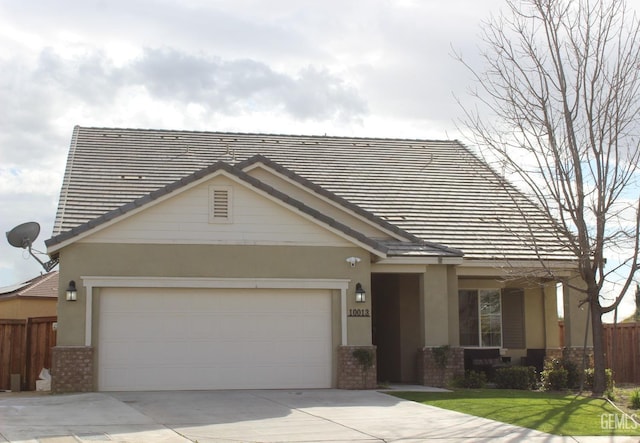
(23, 236)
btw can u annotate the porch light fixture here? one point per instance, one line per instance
(72, 292)
(361, 296)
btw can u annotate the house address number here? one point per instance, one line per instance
(359, 313)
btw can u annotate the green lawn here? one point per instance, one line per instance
(558, 414)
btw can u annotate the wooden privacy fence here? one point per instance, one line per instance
(622, 344)
(25, 348)
(622, 350)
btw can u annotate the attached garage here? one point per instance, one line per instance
(213, 338)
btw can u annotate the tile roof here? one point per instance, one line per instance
(436, 191)
(45, 285)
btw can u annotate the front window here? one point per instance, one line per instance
(480, 315)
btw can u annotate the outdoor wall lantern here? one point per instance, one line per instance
(361, 296)
(72, 292)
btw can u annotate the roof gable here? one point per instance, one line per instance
(138, 229)
(250, 218)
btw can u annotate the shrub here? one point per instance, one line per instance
(573, 374)
(516, 377)
(554, 377)
(635, 399)
(472, 380)
(588, 379)
(611, 394)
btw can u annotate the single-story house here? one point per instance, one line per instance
(209, 260)
(37, 297)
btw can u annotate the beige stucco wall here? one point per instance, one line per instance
(438, 300)
(552, 329)
(123, 260)
(575, 315)
(454, 319)
(22, 308)
(435, 305)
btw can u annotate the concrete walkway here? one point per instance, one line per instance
(248, 416)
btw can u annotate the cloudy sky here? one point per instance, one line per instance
(363, 68)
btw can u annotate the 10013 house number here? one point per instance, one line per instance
(359, 313)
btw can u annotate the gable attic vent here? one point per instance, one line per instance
(219, 204)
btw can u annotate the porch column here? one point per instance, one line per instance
(575, 317)
(551, 326)
(434, 305)
(454, 314)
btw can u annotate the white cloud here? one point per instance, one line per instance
(28, 181)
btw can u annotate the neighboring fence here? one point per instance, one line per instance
(25, 348)
(622, 350)
(622, 346)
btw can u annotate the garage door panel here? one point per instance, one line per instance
(309, 325)
(154, 339)
(114, 324)
(116, 352)
(152, 378)
(201, 326)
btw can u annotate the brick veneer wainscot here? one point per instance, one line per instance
(573, 354)
(432, 374)
(72, 369)
(351, 374)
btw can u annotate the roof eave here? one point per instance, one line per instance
(425, 260)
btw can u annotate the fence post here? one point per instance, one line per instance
(24, 356)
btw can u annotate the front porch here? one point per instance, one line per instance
(417, 314)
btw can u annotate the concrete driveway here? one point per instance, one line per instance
(245, 416)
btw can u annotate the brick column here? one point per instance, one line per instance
(550, 353)
(574, 355)
(351, 373)
(432, 373)
(72, 369)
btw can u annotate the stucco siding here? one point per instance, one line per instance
(19, 308)
(199, 261)
(434, 300)
(534, 311)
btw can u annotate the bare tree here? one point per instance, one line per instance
(557, 107)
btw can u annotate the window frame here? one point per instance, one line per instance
(497, 317)
(492, 317)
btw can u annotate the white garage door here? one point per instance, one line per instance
(170, 339)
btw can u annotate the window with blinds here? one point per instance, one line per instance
(492, 318)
